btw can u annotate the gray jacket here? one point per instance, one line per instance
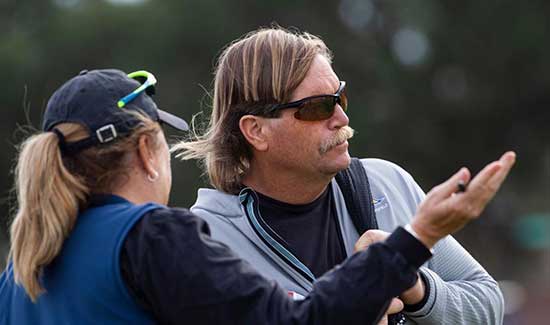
(461, 291)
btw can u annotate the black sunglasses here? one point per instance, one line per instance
(317, 108)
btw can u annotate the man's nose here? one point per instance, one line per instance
(339, 118)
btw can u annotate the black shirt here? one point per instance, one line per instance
(309, 231)
(312, 233)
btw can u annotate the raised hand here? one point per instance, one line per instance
(444, 211)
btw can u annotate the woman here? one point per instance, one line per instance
(93, 241)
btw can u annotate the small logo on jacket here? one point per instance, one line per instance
(295, 296)
(376, 201)
(379, 203)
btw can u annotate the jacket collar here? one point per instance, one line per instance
(217, 202)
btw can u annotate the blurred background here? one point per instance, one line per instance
(433, 86)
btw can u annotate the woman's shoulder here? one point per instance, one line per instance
(173, 219)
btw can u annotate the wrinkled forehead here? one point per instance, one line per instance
(320, 80)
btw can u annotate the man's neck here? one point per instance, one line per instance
(286, 186)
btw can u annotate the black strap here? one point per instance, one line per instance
(61, 139)
(354, 184)
(69, 148)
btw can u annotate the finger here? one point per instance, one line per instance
(396, 306)
(509, 157)
(368, 238)
(481, 180)
(384, 320)
(377, 235)
(507, 161)
(487, 182)
(485, 185)
(480, 191)
(363, 242)
(446, 189)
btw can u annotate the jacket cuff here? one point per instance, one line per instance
(425, 311)
(422, 303)
(409, 247)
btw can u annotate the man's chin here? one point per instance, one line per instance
(344, 160)
(333, 165)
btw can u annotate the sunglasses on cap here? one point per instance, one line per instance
(150, 80)
(317, 108)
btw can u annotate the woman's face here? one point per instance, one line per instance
(164, 182)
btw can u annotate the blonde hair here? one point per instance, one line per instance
(52, 188)
(253, 73)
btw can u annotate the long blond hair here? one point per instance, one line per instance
(52, 188)
(253, 73)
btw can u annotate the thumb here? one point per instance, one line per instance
(444, 190)
(396, 306)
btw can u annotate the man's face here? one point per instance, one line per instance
(311, 147)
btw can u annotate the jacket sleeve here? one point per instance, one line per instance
(461, 291)
(181, 275)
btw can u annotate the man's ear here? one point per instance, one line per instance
(147, 157)
(254, 130)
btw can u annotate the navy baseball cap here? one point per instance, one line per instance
(100, 100)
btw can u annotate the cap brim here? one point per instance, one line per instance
(172, 120)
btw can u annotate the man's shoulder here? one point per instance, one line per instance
(222, 211)
(215, 202)
(389, 179)
(380, 168)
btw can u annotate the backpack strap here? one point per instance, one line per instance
(354, 184)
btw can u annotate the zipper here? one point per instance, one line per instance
(249, 200)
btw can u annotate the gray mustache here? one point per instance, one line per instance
(341, 135)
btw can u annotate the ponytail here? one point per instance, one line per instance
(51, 190)
(49, 198)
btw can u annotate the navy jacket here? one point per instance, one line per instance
(83, 284)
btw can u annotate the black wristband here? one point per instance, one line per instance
(409, 246)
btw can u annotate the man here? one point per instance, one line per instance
(277, 137)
